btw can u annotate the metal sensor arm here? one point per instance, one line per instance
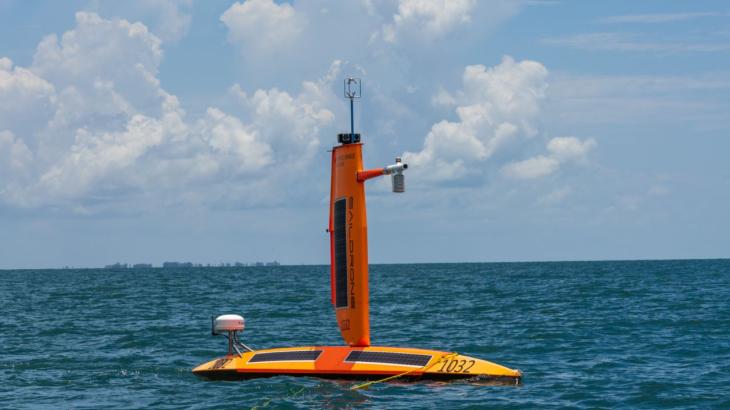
(396, 170)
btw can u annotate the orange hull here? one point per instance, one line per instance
(366, 363)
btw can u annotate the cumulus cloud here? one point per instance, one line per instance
(169, 20)
(535, 167)
(496, 105)
(262, 24)
(103, 70)
(228, 135)
(111, 130)
(569, 148)
(93, 156)
(24, 96)
(292, 124)
(16, 161)
(14, 154)
(19, 85)
(434, 17)
(98, 45)
(560, 150)
(172, 17)
(105, 128)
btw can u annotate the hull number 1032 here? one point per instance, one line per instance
(455, 366)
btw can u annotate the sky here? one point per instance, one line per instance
(152, 131)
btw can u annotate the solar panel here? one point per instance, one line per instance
(292, 355)
(340, 222)
(405, 359)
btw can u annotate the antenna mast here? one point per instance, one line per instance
(353, 89)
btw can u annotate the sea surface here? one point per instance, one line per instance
(638, 334)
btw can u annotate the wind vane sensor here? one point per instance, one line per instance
(353, 90)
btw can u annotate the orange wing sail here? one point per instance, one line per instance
(348, 228)
(349, 245)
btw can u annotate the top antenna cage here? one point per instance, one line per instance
(353, 88)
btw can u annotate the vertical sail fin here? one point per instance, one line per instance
(348, 244)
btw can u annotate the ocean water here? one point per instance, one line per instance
(640, 334)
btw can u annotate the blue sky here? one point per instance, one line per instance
(535, 130)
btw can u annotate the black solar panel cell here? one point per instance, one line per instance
(298, 355)
(405, 359)
(340, 224)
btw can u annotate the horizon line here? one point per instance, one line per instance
(395, 263)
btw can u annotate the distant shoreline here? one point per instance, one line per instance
(277, 264)
(184, 265)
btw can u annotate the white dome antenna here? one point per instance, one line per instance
(233, 325)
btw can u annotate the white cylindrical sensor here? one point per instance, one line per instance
(399, 182)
